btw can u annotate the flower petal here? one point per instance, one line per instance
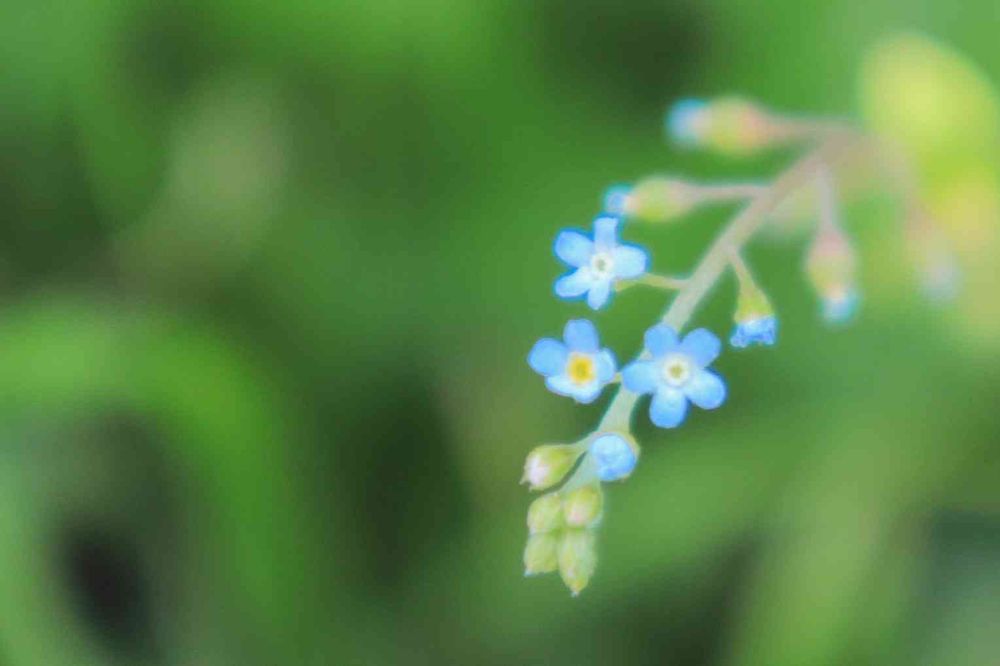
(599, 294)
(606, 366)
(614, 458)
(706, 389)
(631, 261)
(548, 357)
(581, 336)
(641, 376)
(574, 284)
(702, 346)
(661, 339)
(563, 385)
(573, 248)
(605, 233)
(668, 408)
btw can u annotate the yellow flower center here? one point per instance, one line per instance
(676, 370)
(581, 369)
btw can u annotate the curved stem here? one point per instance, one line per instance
(731, 240)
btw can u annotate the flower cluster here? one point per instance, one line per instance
(674, 369)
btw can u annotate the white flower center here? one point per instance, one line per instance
(602, 265)
(676, 370)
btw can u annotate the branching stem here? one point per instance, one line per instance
(731, 241)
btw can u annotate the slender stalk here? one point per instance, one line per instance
(741, 269)
(652, 280)
(734, 192)
(730, 241)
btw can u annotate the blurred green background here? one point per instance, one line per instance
(269, 273)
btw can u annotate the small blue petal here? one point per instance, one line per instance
(702, 346)
(575, 284)
(548, 357)
(605, 233)
(573, 248)
(660, 339)
(682, 121)
(706, 389)
(563, 385)
(763, 331)
(580, 335)
(630, 261)
(599, 294)
(641, 376)
(668, 408)
(606, 366)
(616, 199)
(613, 456)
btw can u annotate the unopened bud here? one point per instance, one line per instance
(582, 506)
(618, 200)
(661, 199)
(546, 465)
(614, 456)
(933, 258)
(830, 266)
(541, 554)
(728, 125)
(754, 317)
(577, 559)
(545, 514)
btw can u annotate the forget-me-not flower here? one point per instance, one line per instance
(598, 263)
(676, 373)
(576, 367)
(614, 457)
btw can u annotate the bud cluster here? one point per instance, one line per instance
(674, 368)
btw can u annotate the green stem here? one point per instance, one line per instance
(731, 240)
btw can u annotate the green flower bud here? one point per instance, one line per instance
(737, 127)
(582, 507)
(752, 303)
(577, 559)
(546, 465)
(541, 554)
(659, 199)
(545, 514)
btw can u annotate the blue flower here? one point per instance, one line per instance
(598, 262)
(676, 373)
(579, 368)
(614, 457)
(757, 331)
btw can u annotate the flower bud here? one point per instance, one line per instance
(577, 559)
(618, 200)
(614, 456)
(933, 258)
(545, 514)
(541, 554)
(661, 199)
(582, 507)
(546, 465)
(754, 317)
(729, 125)
(830, 266)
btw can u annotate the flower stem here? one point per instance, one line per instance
(730, 241)
(652, 280)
